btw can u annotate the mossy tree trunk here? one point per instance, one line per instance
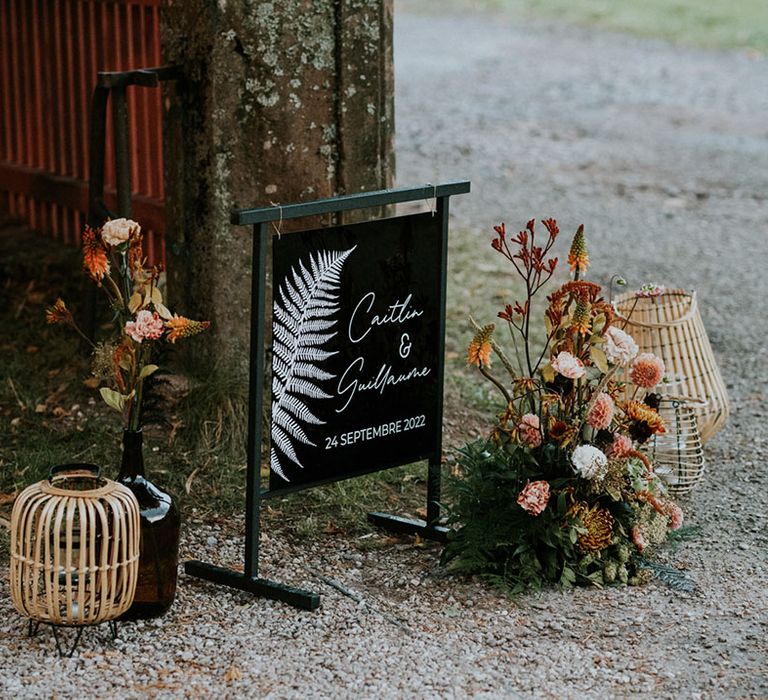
(281, 102)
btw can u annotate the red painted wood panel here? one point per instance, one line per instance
(50, 52)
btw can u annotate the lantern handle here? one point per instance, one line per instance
(662, 324)
(76, 469)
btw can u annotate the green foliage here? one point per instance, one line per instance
(496, 537)
(670, 575)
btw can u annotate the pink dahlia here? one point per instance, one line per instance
(568, 365)
(675, 513)
(647, 370)
(147, 326)
(620, 447)
(530, 430)
(534, 497)
(601, 413)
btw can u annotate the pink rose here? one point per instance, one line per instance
(118, 231)
(534, 497)
(530, 430)
(147, 326)
(568, 365)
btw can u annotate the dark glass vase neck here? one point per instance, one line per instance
(132, 462)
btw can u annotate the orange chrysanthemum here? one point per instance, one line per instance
(638, 412)
(578, 258)
(95, 260)
(58, 313)
(479, 350)
(181, 327)
(598, 523)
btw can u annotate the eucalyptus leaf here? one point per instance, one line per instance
(112, 398)
(134, 303)
(147, 370)
(599, 358)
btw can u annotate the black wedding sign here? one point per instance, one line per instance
(348, 364)
(355, 342)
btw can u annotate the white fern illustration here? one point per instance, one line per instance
(302, 324)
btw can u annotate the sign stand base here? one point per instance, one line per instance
(407, 526)
(297, 597)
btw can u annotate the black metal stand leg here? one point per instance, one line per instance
(70, 653)
(299, 598)
(113, 628)
(428, 529)
(32, 628)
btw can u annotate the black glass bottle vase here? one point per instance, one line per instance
(160, 521)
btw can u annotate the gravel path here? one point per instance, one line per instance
(663, 153)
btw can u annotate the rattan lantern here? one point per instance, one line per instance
(670, 326)
(74, 548)
(677, 454)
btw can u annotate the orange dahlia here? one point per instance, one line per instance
(647, 370)
(95, 260)
(479, 350)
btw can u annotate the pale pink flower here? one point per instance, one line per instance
(620, 447)
(530, 430)
(647, 370)
(534, 497)
(118, 231)
(650, 290)
(568, 365)
(675, 514)
(637, 539)
(620, 347)
(147, 326)
(601, 413)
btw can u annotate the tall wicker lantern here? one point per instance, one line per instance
(74, 548)
(670, 326)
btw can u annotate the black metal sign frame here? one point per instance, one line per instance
(260, 219)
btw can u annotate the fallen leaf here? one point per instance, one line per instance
(40, 408)
(233, 674)
(333, 529)
(92, 382)
(32, 349)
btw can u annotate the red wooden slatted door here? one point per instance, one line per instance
(50, 52)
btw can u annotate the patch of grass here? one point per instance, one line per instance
(711, 24)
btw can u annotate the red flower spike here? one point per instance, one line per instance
(551, 226)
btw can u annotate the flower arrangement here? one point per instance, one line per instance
(113, 258)
(561, 492)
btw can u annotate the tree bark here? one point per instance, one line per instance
(281, 102)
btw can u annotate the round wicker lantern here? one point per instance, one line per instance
(74, 548)
(677, 454)
(670, 326)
